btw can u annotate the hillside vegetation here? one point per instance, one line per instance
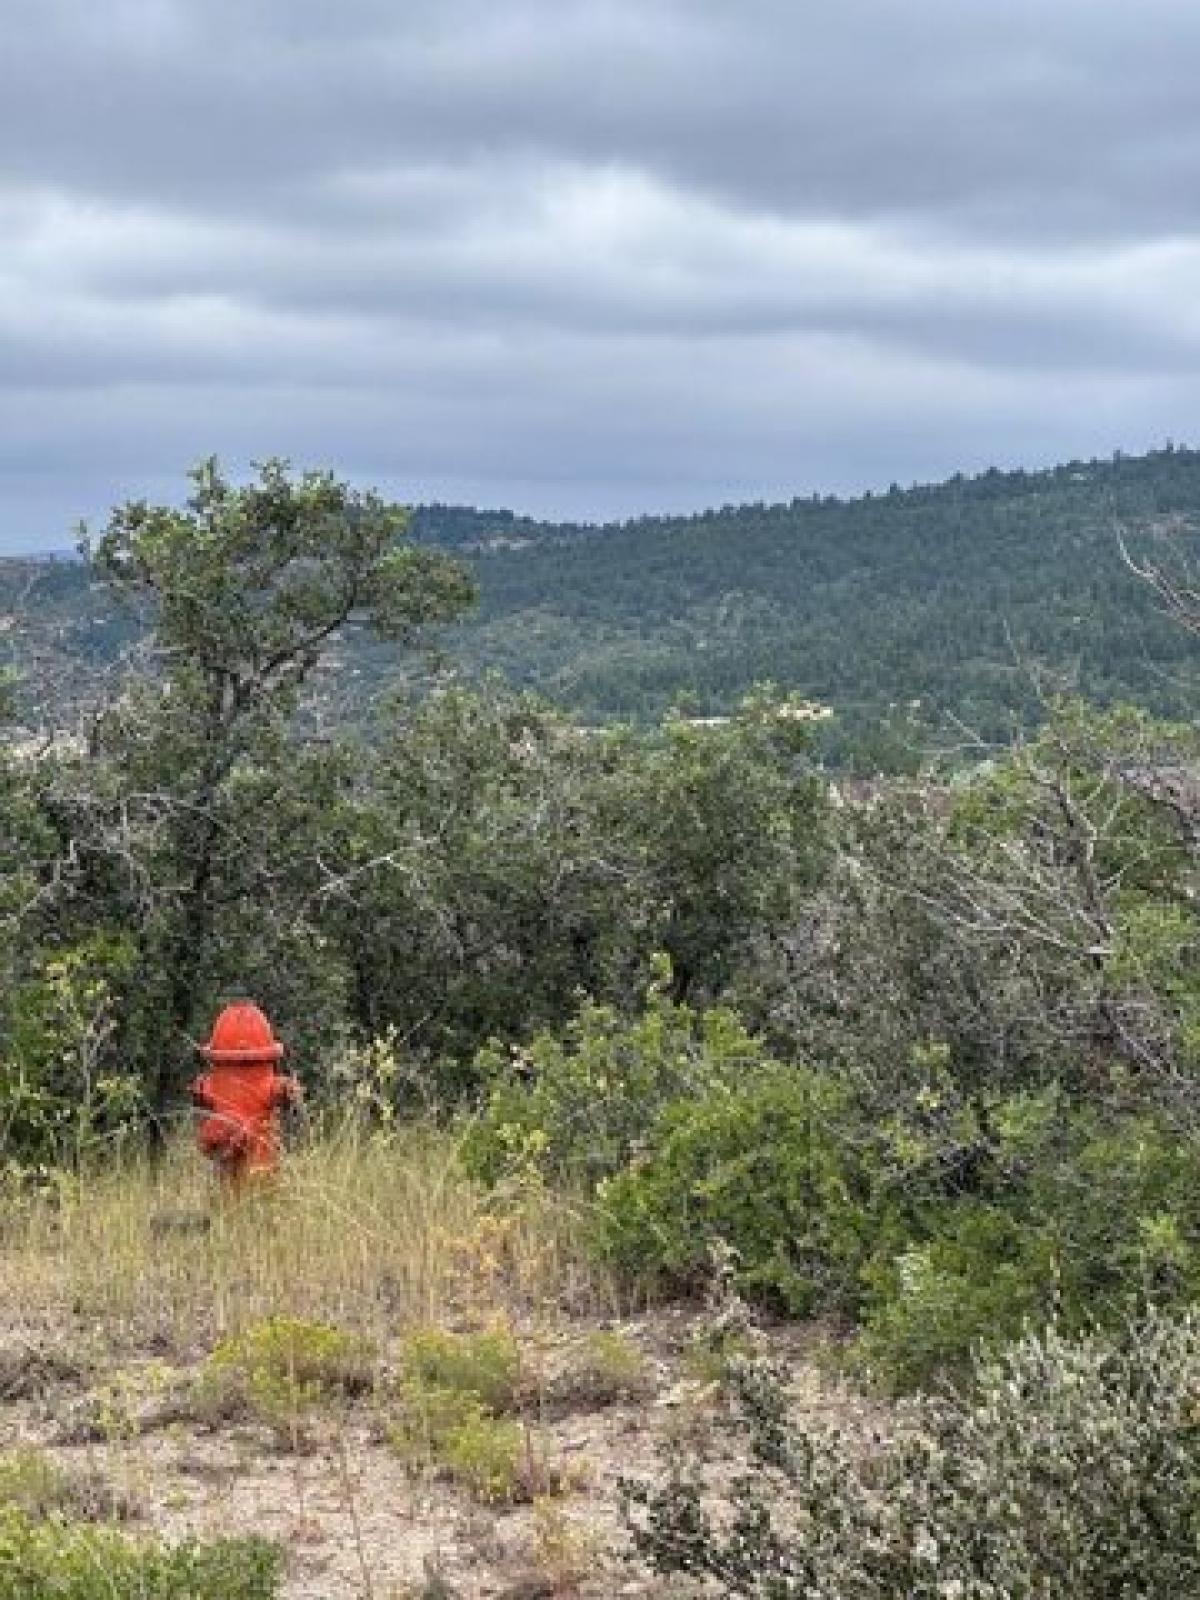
(946, 594)
(712, 1179)
(967, 600)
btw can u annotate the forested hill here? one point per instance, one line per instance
(948, 595)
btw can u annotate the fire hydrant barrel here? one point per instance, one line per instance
(242, 1094)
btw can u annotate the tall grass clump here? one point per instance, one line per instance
(368, 1229)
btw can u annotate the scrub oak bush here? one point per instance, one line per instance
(1069, 1470)
(1083, 1217)
(683, 1132)
(62, 1098)
(769, 1168)
(928, 1306)
(960, 1216)
(947, 1227)
(575, 1108)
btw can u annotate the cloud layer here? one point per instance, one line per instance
(589, 258)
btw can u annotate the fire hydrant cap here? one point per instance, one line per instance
(242, 1033)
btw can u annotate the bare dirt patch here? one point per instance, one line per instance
(355, 1518)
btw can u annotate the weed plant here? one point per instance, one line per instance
(282, 1368)
(485, 1364)
(604, 1368)
(456, 1394)
(34, 1483)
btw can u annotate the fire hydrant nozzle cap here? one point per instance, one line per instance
(242, 1033)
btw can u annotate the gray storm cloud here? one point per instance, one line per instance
(589, 259)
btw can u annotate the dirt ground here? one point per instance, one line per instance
(356, 1521)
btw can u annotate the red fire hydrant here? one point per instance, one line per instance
(242, 1094)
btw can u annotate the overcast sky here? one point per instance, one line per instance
(589, 258)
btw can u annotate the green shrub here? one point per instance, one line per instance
(981, 1280)
(428, 1416)
(54, 1560)
(1126, 1208)
(576, 1108)
(485, 1455)
(769, 1168)
(452, 1386)
(1082, 1221)
(950, 1217)
(486, 1365)
(455, 1389)
(1071, 1471)
(454, 1434)
(284, 1366)
(61, 1099)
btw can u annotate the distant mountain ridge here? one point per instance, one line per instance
(960, 596)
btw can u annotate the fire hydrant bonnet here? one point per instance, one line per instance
(242, 1033)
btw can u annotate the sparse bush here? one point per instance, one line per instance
(433, 1585)
(1070, 1470)
(282, 1367)
(35, 1368)
(34, 1483)
(605, 1368)
(711, 1352)
(563, 1549)
(48, 1559)
(486, 1364)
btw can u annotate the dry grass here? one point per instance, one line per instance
(372, 1231)
(119, 1287)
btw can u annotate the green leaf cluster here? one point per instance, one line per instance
(575, 1108)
